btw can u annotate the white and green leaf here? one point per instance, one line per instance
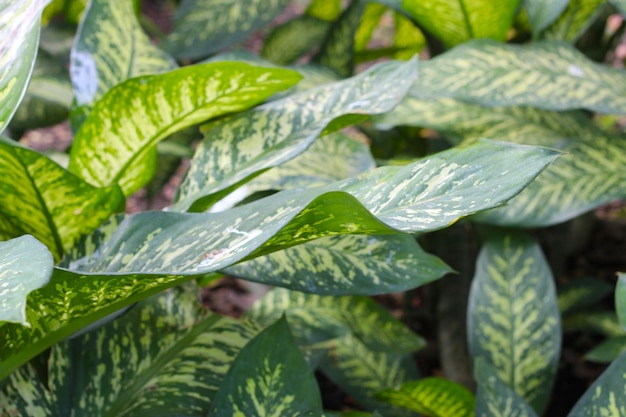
(25, 395)
(513, 316)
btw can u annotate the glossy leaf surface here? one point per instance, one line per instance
(25, 265)
(513, 317)
(269, 377)
(134, 116)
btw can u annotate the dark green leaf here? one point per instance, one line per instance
(576, 18)
(292, 39)
(608, 350)
(582, 292)
(620, 298)
(541, 13)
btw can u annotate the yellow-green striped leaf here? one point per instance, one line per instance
(620, 298)
(240, 147)
(494, 398)
(25, 265)
(577, 17)
(132, 117)
(270, 378)
(608, 350)
(25, 395)
(203, 27)
(582, 292)
(547, 75)
(362, 372)
(602, 322)
(342, 265)
(110, 47)
(607, 395)
(541, 13)
(589, 174)
(457, 21)
(316, 319)
(289, 41)
(432, 397)
(513, 317)
(40, 198)
(19, 36)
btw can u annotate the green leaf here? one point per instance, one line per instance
(25, 395)
(513, 317)
(342, 265)
(269, 377)
(433, 397)
(369, 21)
(576, 18)
(324, 9)
(582, 292)
(30, 199)
(590, 166)
(607, 395)
(132, 117)
(602, 322)
(25, 265)
(240, 147)
(620, 5)
(19, 35)
(457, 21)
(541, 13)
(494, 398)
(110, 47)
(223, 23)
(552, 76)
(315, 319)
(408, 39)
(608, 350)
(289, 41)
(620, 298)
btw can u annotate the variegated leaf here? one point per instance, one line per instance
(19, 34)
(25, 395)
(494, 398)
(457, 21)
(240, 147)
(547, 75)
(620, 298)
(361, 372)
(432, 397)
(317, 319)
(223, 23)
(608, 350)
(541, 13)
(25, 265)
(588, 175)
(582, 292)
(294, 38)
(602, 322)
(110, 47)
(343, 265)
(577, 17)
(270, 378)
(40, 198)
(132, 117)
(513, 317)
(607, 395)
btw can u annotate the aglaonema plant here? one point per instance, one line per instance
(337, 230)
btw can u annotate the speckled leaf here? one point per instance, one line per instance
(166, 355)
(110, 47)
(541, 13)
(620, 298)
(576, 18)
(513, 317)
(19, 35)
(342, 265)
(361, 372)
(432, 397)
(608, 350)
(316, 319)
(269, 377)
(238, 148)
(203, 27)
(589, 174)
(547, 75)
(40, 198)
(294, 38)
(494, 398)
(25, 395)
(582, 292)
(25, 265)
(607, 395)
(457, 21)
(132, 117)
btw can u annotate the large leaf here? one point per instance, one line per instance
(541, 13)
(269, 377)
(40, 198)
(222, 22)
(426, 195)
(513, 317)
(433, 397)
(547, 75)
(607, 395)
(576, 18)
(240, 147)
(110, 47)
(342, 265)
(315, 319)
(25, 265)
(134, 116)
(457, 21)
(25, 395)
(19, 35)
